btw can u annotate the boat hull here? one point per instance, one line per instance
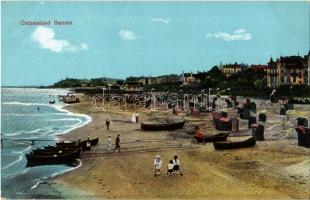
(82, 144)
(162, 127)
(235, 145)
(51, 159)
(216, 138)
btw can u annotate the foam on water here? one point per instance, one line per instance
(20, 157)
(22, 120)
(56, 174)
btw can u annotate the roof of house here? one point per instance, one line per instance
(292, 61)
(133, 83)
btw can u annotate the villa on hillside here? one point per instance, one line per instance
(165, 79)
(230, 69)
(189, 79)
(133, 86)
(292, 70)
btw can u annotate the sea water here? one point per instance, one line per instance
(27, 114)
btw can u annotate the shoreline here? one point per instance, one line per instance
(129, 174)
(64, 108)
(40, 175)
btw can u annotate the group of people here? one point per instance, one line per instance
(134, 119)
(117, 143)
(173, 166)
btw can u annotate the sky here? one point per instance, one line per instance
(121, 39)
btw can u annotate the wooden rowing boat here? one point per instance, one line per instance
(82, 144)
(210, 138)
(53, 151)
(162, 126)
(217, 137)
(50, 159)
(235, 145)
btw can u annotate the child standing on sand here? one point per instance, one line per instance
(157, 165)
(176, 166)
(170, 168)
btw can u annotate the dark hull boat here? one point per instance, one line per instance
(54, 150)
(50, 159)
(211, 138)
(166, 126)
(216, 138)
(235, 145)
(93, 142)
(82, 144)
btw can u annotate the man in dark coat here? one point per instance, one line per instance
(117, 143)
(107, 123)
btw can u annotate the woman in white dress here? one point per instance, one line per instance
(133, 118)
(109, 143)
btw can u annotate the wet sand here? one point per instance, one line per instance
(274, 169)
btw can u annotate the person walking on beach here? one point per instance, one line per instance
(117, 143)
(88, 146)
(107, 123)
(109, 143)
(176, 166)
(133, 118)
(137, 117)
(157, 165)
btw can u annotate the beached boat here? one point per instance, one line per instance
(52, 102)
(82, 144)
(210, 138)
(235, 145)
(93, 142)
(162, 126)
(53, 150)
(216, 138)
(56, 158)
(49, 147)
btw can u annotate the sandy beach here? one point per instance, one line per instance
(274, 169)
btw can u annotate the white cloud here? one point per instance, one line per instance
(45, 37)
(84, 46)
(127, 35)
(160, 19)
(239, 34)
(240, 31)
